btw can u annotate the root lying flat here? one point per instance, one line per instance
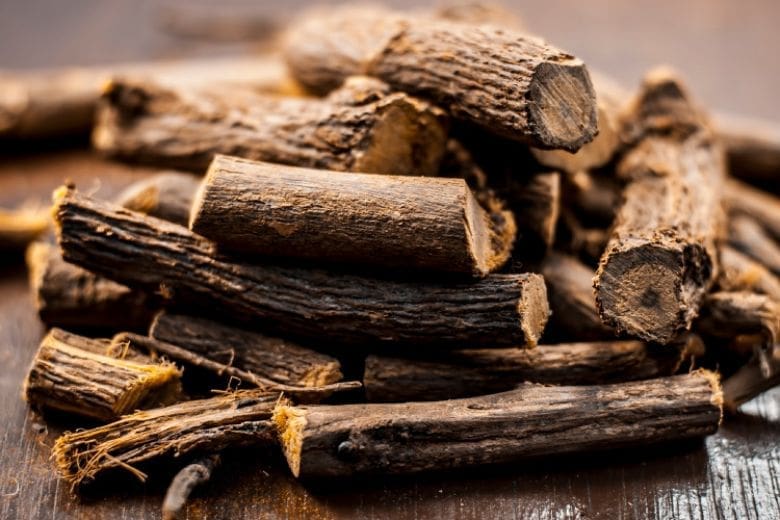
(205, 425)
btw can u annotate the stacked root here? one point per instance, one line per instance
(511, 253)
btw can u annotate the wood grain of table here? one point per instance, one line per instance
(726, 49)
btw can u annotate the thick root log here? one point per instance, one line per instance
(527, 90)
(360, 127)
(498, 310)
(534, 420)
(662, 257)
(465, 373)
(368, 220)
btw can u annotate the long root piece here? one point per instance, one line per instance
(464, 373)
(661, 258)
(385, 221)
(509, 83)
(201, 426)
(144, 252)
(534, 420)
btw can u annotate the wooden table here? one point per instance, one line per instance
(727, 50)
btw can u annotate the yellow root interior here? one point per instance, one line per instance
(290, 422)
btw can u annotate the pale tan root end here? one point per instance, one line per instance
(68, 460)
(155, 384)
(290, 422)
(79, 456)
(713, 379)
(534, 309)
(490, 241)
(58, 198)
(59, 195)
(63, 459)
(323, 375)
(407, 139)
(197, 200)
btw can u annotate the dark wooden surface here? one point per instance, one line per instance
(728, 52)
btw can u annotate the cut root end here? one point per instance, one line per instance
(534, 310)
(290, 422)
(717, 390)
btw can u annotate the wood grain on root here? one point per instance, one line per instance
(661, 258)
(187, 428)
(536, 203)
(265, 379)
(69, 296)
(278, 360)
(464, 373)
(610, 101)
(64, 376)
(531, 421)
(324, 47)
(363, 126)
(101, 346)
(498, 310)
(363, 219)
(527, 89)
